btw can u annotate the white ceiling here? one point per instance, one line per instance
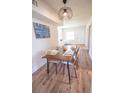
(82, 10)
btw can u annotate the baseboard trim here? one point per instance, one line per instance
(39, 69)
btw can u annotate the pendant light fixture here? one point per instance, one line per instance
(65, 11)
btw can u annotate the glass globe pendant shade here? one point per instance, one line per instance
(65, 12)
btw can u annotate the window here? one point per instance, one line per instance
(69, 35)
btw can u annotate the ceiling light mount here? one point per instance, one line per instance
(65, 11)
(64, 1)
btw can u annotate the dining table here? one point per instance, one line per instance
(60, 57)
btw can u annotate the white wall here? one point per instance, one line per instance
(88, 37)
(90, 43)
(45, 10)
(40, 45)
(87, 32)
(78, 37)
(44, 14)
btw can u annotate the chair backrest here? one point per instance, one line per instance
(75, 60)
(75, 57)
(76, 52)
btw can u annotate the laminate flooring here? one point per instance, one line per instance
(59, 83)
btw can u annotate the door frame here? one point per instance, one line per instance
(89, 36)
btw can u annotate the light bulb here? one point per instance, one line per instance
(65, 14)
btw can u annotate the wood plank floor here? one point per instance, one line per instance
(52, 83)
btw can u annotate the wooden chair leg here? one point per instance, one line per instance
(75, 72)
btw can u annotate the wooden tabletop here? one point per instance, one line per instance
(59, 57)
(62, 55)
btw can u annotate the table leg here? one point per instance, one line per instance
(56, 67)
(47, 66)
(63, 68)
(68, 71)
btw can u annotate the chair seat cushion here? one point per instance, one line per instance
(66, 63)
(68, 52)
(52, 61)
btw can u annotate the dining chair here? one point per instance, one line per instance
(67, 46)
(73, 63)
(55, 63)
